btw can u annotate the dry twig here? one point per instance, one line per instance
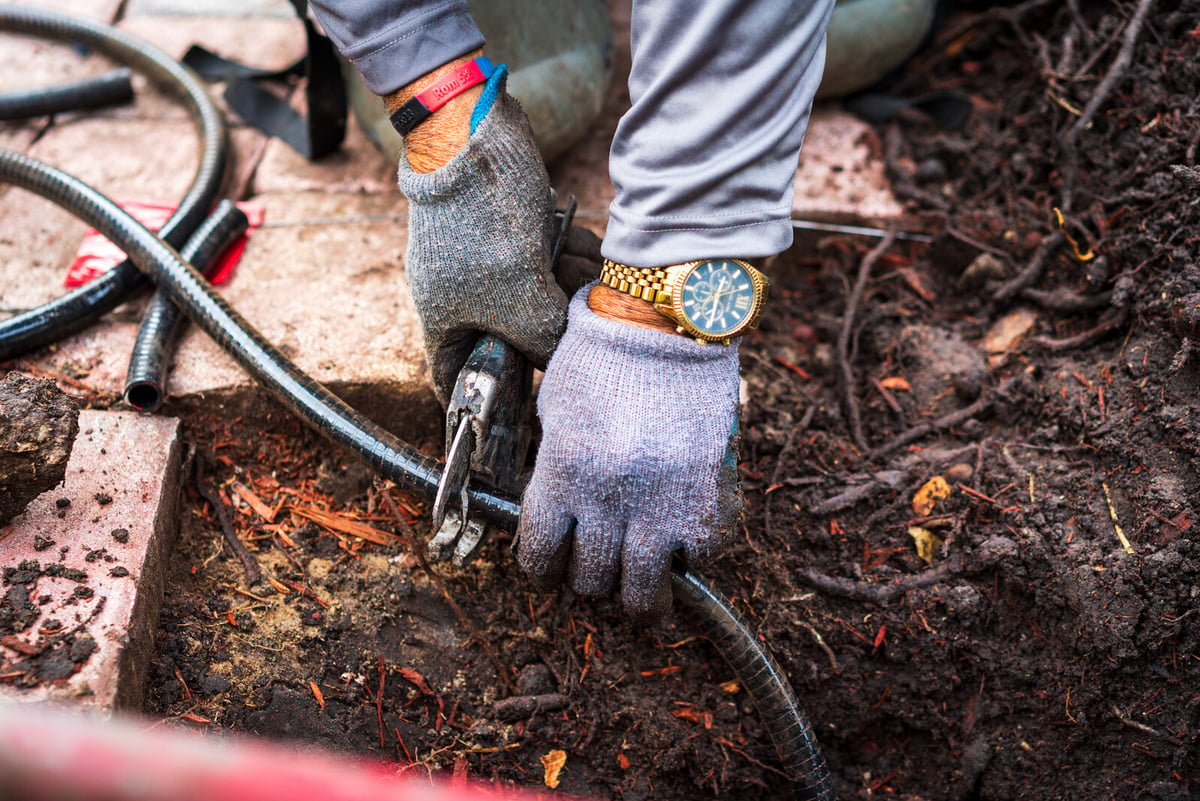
(846, 376)
(1032, 271)
(954, 418)
(1115, 72)
(253, 571)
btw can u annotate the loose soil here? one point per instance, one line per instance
(1000, 642)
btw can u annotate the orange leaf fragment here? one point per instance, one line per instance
(552, 765)
(666, 671)
(282, 588)
(896, 382)
(934, 490)
(685, 711)
(879, 637)
(623, 761)
(416, 678)
(254, 502)
(316, 691)
(344, 525)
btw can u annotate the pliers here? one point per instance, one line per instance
(488, 431)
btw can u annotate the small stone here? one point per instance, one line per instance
(959, 473)
(82, 647)
(215, 683)
(118, 572)
(535, 679)
(41, 543)
(63, 503)
(103, 498)
(120, 534)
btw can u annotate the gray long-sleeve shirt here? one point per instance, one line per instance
(703, 163)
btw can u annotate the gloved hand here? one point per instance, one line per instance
(636, 460)
(479, 240)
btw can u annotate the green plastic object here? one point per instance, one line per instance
(559, 56)
(868, 39)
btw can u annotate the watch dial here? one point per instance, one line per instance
(717, 296)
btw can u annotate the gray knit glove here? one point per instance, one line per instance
(479, 238)
(636, 460)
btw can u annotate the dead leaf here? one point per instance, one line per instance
(934, 490)
(1007, 333)
(927, 544)
(623, 761)
(685, 711)
(552, 764)
(282, 588)
(732, 686)
(255, 503)
(416, 678)
(346, 526)
(896, 383)
(316, 691)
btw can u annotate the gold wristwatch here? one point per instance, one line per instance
(712, 300)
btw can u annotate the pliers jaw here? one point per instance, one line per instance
(488, 432)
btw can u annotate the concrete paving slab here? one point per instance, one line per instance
(27, 62)
(358, 166)
(152, 160)
(18, 136)
(104, 10)
(323, 280)
(839, 178)
(37, 242)
(212, 8)
(84, 565)
(270, 43)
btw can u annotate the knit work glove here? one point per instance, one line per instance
(479, 245)
(636, 460)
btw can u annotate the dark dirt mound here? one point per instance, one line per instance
(1043, 643)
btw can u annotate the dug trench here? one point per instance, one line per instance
(971, 479)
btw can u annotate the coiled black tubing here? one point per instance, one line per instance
(762, 677)
(109, 89)
(145, 380)
(81, 307)
(178, 281)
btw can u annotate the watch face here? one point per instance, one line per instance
(718, 297)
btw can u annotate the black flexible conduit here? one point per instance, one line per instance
(109, 89)
(762, 677)
(780, 711)
(79, 308)
(145, 380)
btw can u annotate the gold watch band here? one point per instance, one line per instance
(644, 283)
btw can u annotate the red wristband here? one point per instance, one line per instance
(440, 92)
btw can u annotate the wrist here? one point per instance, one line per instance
(609, 303)
(433, 143)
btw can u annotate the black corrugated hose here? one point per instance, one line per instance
(108, 89)
(79, 308)
(162, 322)
(790, 729)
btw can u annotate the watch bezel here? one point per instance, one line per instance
(670, 301)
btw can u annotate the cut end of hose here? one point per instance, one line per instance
(145, 396)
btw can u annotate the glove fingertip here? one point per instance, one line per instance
(646, 582)
(543, 541)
